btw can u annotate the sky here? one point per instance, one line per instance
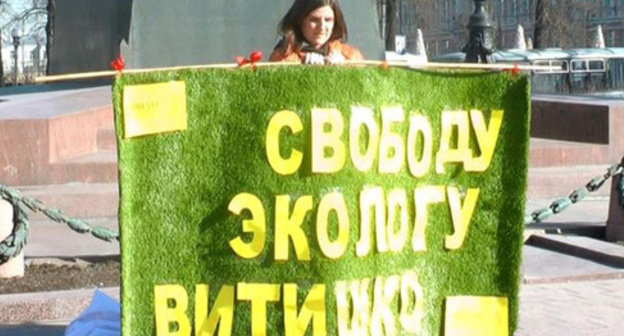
(18, 4)
(17, 7)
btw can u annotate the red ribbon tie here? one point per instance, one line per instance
(514, 71)
(254, 57)
(118, 64)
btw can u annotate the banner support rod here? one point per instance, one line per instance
(411, 65)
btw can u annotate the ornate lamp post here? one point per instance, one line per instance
(479, 48)
(16, 42)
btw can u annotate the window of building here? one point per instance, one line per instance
(524, 7)
(513, 8)
(610, 8)
(610, 38)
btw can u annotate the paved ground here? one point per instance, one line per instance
(562, 294)
(52, 328)
(590, 308)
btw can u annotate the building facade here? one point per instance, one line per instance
(571, 23)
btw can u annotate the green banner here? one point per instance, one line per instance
(321, 201)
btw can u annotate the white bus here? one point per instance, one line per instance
(578, 71)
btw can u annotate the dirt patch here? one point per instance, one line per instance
(43, 277)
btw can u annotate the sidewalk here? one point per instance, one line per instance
(565, 294)
(561, 294)
(591, 308)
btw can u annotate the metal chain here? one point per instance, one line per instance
(14, 243)
(577, 195)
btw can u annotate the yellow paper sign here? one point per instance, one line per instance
(154, 108)
(476, 316)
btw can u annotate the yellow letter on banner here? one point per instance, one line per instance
(255, 225)
(461, 153)
(222, 312)
(419, 124)
(461, 215)
(397, 200)
(391, 151)
(411, 322)
(165, 315)
(361, 116)
(372, 199)
(486, 137)
(476, 316)
(354, 318)
(323, 141)
(259, 295)
(382, 318)
(313, 309)
(279, 164)
(424, 196)
(332, 202)
(290, 227)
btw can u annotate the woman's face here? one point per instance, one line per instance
(318, 26)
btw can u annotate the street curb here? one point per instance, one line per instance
(46, 306)
(528, 281)
(583, 247)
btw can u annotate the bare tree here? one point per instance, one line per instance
(444, 20)
(3, 9)
(391, 23)
(562, 23)
(51, 12)
(541, 19)
(1, 64)
(26, 20)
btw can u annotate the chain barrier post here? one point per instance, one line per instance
(579, 194)
(17, 233)
(13, 267)
(615, 221)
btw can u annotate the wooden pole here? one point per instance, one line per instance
(403, 64)
(14, 267)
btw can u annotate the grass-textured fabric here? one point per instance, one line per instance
(175, 189)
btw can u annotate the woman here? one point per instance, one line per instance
(314, 32)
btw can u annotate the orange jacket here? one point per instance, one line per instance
(350, 53)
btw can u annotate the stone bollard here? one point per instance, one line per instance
(615, 222)
(14, 267)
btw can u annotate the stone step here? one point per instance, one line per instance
(592, 249)
(81, 200)
(100, 166)
(88, 186)
(50, 239)
(106, 138)
(31, 310)
(40, 130)
(561, 181)
(550, 153)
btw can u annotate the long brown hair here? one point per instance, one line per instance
(290, 25)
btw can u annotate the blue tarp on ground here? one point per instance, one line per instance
(101, 318)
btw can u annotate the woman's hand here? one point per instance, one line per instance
(335, 58)
(314, 58)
